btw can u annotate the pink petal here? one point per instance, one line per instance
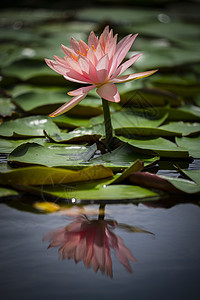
(92, 40)
(57, 67)
(106, 33)
(91, 56)
(123, 49)
(74, 65)
(76, 77)
(83, 47)
(134, 76)
(109, 92)
(61, 60)
(99, 51)
(67, 72)
(126, 65)
(67, 106)
(88, 69)
(84, 64)
(76, 80)
(102, 68)
(81, 90)
(74, 45)
(68, 52)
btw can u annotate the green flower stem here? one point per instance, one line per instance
(108, 124)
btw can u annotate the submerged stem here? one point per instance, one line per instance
(108, 124)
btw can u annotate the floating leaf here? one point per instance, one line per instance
(55, 155)
(123, 157)
(135, 167)
(8, 145)
(182, 128)
(41, 102)
(7, 192)
(190, 144)
(147, 97)
(192, 175)
(81, 134)
(7, 108)
(168, 184)
(28, 126)
(39, 175)
(118, 15)
(71, 122)
(129, 118)
(155, 146)
(96, 192)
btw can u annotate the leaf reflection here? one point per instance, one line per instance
(90, 241)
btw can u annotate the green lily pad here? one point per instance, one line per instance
(192, 175)
(130, 118)
(96, 192)
(168, 184)
(71, 122)
(39, 175)
(33, 71)
(38, 102)
(146, 97)
(156, 146)
(52, 156)
(118, 15)
(165, 58)
(7, 108)
(123, 157)
(81, 134)
(173, 30)
(8, 145)
(28, 126)
(7, 192)
(185, 113)
(182, 128)
(185, 86)
(191, 144)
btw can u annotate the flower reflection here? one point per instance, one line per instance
(91, 241)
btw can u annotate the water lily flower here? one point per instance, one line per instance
(98, 64)
(90, 241)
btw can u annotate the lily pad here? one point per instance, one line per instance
(96, 192)
(39, 175)
(192, 175)
(28, 126)
(146, 97)
(168, 184)
(33, 71)
(191, 144)
(8, 145)
(56, 155)
(156, 146)
(130, 118)
(182, 128)
(118, 15)
(38, 102)
(71, 122)
(7, 108)
(123, 157)
(81, 134)
(7, 192)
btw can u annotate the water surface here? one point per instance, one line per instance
(167, 267)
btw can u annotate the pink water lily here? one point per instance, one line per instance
(97, 63)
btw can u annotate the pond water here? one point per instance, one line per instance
(168, 254)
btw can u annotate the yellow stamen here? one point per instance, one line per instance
(93, 48)
(74, 57)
